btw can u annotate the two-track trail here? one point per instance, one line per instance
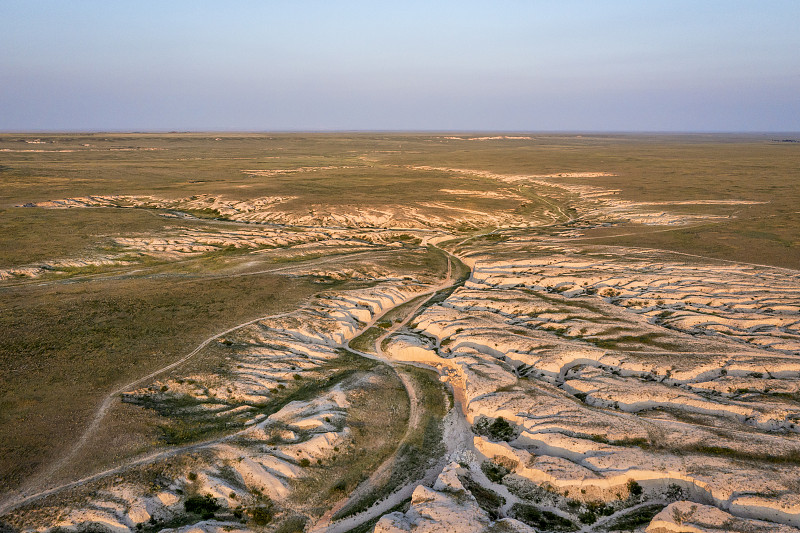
(459, 431)
(34, 487)
(33, 490)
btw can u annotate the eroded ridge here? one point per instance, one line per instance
(291, 210)
(180, 243)
(598, 384)
(599, 204)
(748, 304)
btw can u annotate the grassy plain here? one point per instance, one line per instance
(658, 168)
(66, 343)
(372, 169)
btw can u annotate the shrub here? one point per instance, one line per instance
(494, 471)
(501, 430)
(634, 520)
(634, 488)
(487, 499)
(540, 519)
(587, 517)
(261, 515)
(205, 506)
(600, 508)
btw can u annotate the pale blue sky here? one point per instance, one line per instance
(633, 65)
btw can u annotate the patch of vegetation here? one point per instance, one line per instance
(498, 429)
(635, 519)
(525, 489)
(495, 472)
(594, 510)
(541, 519)
(571, 302)
(32, 235)
(640, 442)
(262, 514)
(184, 425)
(293, 524)
(366, 341)
(423, 445)
(204, 506)
(587, 517)
(377, 419)
(177, 520)
(488, 500)
(790, 457)
(494, 237)
(646, 339)
(634, 488)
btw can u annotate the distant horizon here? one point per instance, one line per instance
(401, 131)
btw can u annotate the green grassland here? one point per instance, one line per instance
(67, 344)
(69, 339)
(175, 166)
(646, 168)
(32, 235)
(657, 168)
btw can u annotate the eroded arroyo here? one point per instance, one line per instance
(623, 377)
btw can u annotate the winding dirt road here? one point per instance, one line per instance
(24, 495)
(33, 490)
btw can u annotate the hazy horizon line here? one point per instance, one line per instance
(407, 131)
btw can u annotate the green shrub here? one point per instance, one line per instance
(637, 518)
(587, 517)
(634, 488)
(261, 515)
(205, 506)
(501, 430)
(600, 508)
(494, 471)
(498, 429)
(487, 499)
(542, 520)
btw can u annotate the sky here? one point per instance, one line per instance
(442, 65)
